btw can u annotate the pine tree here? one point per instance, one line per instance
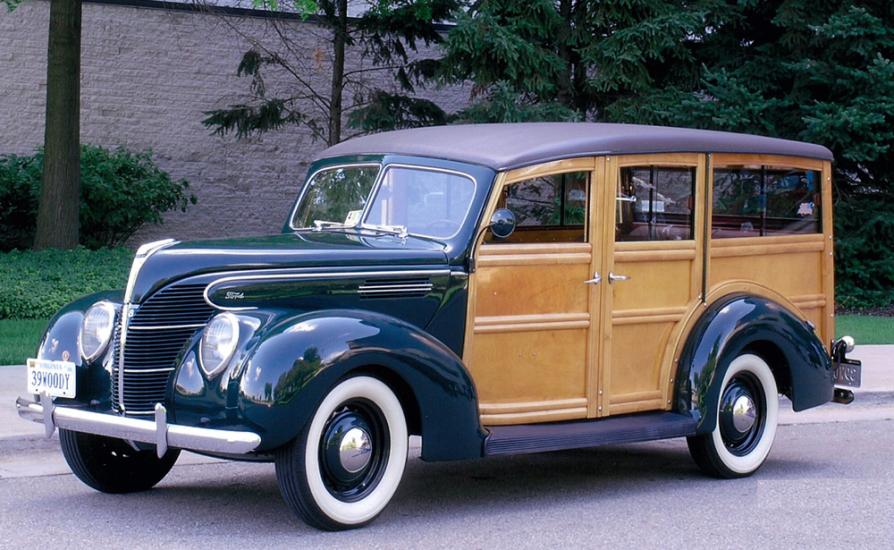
(570, 59)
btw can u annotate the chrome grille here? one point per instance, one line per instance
(116, 353)
(156, 333)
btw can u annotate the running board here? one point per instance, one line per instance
(556, 436)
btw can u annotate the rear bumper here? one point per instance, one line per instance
(846, 372)
(157, 432)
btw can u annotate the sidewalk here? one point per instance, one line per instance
(877, 391)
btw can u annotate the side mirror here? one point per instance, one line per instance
(502, 223)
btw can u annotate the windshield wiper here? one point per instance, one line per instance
(398, 230)
(319, 225)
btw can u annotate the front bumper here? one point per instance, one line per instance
(157, 431)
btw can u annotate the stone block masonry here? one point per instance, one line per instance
(148, 75)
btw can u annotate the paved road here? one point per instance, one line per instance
(824, 485)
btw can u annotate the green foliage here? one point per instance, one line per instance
(387, 111)
(19, 189)
(864, 251)
(569, 59)
(36, 284)
(120, 192)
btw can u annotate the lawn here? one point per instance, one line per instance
(866, 329)
(18, 339)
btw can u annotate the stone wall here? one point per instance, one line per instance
(148, 74)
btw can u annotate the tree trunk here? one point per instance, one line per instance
(60, 193)
(338, 71)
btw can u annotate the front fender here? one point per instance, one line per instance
(297, 361)
(60, 343)
(739, 322)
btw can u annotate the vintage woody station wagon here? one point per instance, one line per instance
(495, 289)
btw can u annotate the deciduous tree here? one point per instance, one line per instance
(57, 214)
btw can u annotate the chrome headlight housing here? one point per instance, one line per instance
(96, 330)
(218, 344)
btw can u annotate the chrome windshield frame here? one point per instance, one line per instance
(374, 191)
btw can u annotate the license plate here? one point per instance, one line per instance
(847, 373)
(55, 378)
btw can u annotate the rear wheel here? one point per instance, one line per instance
(745, 423)
(111, 465)
(345, 466)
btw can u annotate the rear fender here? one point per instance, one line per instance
(739, 323)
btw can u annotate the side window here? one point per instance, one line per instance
(548, 209)
(655, 203)
(765, 201)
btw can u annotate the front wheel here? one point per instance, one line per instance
(111, 465)
(745, 423)
(344, 467)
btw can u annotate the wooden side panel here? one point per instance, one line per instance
(827, 324)
(793, 269)
(531, 326)
(799, 267)
(528, 333)
(665, 279)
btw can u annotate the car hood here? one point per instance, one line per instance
(304, 249)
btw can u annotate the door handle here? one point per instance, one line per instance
(612, 277)
(595, 280)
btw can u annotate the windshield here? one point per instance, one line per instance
(414, 200)
(336, 195)
(426, 202)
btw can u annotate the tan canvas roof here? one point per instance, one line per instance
(506, 146)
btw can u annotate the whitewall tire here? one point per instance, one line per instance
(746, 418)
(347, 463)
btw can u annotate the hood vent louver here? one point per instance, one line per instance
(395, 288)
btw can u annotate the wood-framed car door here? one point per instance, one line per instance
(534, 306)
(653, 240)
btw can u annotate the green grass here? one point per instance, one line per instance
(19, 339)
(866, 329)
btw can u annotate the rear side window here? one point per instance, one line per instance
(548, 209)
(765, 201)
(655, 204)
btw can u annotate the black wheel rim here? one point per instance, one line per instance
(743, 414)
(354, 448)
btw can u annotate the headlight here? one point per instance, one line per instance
(96, 330)
(218, 343)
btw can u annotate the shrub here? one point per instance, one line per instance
(120, 192)
(864, 252)
(19, 187)
(35, 284)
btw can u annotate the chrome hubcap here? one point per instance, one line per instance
(355, 450)
(744, 413)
